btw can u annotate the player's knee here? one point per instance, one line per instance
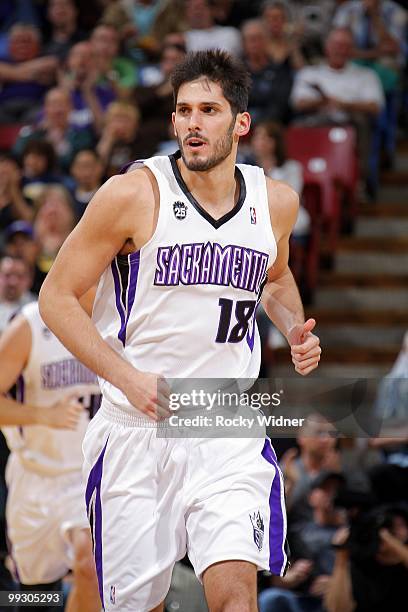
(242, 602)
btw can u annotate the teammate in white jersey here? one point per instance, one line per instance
(44, 427)
(183, 246)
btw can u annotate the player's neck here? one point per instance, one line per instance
(216, 188)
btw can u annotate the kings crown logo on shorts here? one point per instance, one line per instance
(112, 595)
(259, 529)
(180, 210)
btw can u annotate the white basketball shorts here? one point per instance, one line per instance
(40, 512)
(151, 499)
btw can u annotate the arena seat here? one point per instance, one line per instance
(8, 135)
(329, 160)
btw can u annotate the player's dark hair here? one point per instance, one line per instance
(220, 67)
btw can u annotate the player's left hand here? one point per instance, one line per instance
(305, 347)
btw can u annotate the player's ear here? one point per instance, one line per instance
(173, 120)
(242, 124)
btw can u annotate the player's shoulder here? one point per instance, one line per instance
(122, 198)
(134, 184)
(283, 202)
(281, 195)
(18, 333)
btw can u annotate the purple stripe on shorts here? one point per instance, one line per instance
(133, 261)
(277, 523)
(94, 484)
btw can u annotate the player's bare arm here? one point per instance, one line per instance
(280, 298)
(15, 346)
(121, 218)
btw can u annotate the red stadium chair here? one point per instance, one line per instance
(8, 135)
(328, 156)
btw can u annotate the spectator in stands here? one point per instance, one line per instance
(143, 24)
(234, 12)
(317, 535)
(62, 16)
(56, 129)
(371, 567)
(391, 407)
(12, 12)
(15, 281)
(315, 555)
(283, 44)
(118, 73)
(202, 32)
(268, 148)
(379, 32)
(311, 23)
(25, 76)
(39, 163)
(156, 102)
(378, 27)
(317, 453)
(338, 92)
(271, 83)
(334, 90)
(120, 142)
(152, 75)
(90, 97)
(55, 219)
(87, 171)
(19, 242)
(13, 205)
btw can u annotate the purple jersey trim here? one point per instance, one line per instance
(250, 337)
(118, 292)
(277, 527)
(94, 511)
(20, 390)
(20, 396)
(125, 271)
(126, 167)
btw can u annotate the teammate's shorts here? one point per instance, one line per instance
(41, 511)
(150, 499)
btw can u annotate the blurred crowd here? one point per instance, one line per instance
(85, 88)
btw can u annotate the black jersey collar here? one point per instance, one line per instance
(216, 223)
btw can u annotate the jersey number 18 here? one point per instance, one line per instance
(244, 309)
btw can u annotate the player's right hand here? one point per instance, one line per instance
(62, 415)
(150, 394)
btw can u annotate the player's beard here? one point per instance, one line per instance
(222, 148)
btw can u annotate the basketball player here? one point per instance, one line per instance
(183, 245)
(44, 427)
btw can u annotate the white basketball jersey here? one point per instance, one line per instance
(184, 305)
(51, 374)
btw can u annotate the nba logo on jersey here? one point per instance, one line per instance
(112, 595)
(47, 333)
(253, 215)
(180, 210)
(258, 527)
